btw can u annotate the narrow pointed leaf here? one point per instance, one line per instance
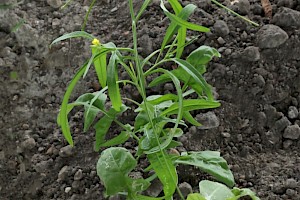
(165, 170)
(188, 117)
(74, 34)
(195, 74)
(120, 139)
(182, 22)
(113, 86)
(100, 65)
(191, 104)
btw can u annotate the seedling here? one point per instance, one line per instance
(159, 118)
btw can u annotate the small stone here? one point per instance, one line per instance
(78, 175)
(168, 87)
(66, 151)
(221, 41)
(287, 17)
(293, 112)
(208, 120)
(221, 28)
(281, 124)
(243, 7)
(54, 3)
(29, 143)
(251, 54)
(292, 132)
(225, 134)
(185, 189)
(291, 183)
(287, 143)
(63, 173)
(76, 184)
(271, 36)
(68, 189)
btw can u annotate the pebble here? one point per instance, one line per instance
(221, 28)
(78, 175)
(281, 124)
(292, 132)
(66, 151)
(287, 17)
(63, 173)
(225, 134)
(208, 120)
(243, 7)
(185, 189)
(287, 143)
(168, 87)
(67, 189)
(221, 41)
(29, 143)
(271, 36)
(293, 112)
(54, 3)
(251, 54)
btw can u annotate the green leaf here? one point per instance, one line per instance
(210, 162)
(181, 41)
(74, 34)
(142, 9)
(196, 75)
(113, 86)
(182, 22)
(201, 56)
(174, 27)
(120, 139)
(142, 197)
(113, 167)
(139, 185)
(189, 105)
(165, 170)
(213, 190)
(100, 65)
(176, 6)
(243, 192)
(63, 114)
(195, 196)
(102, 127)
(188, 117)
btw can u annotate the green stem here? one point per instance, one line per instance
(231, 11)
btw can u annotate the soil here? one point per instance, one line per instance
(257, 80)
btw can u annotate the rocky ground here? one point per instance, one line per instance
(257, 80)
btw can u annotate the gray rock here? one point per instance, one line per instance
(281, 124)
(243, 7)
(225, 134)
(293, 112)
(292, 132)
(78, 175)
(29, 144)
(208, 120)
(68, 189)
(66, 151)
(287, 143)
(155, 188)
(185, 189)
(54, 3)
(271, 36)
(287, 17)
(168, 87)
(291, 183)
(221, 28)
(251, 54)
(63, 173)
(221, 41)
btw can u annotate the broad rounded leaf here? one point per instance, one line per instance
(214, 191)
(113, 167)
